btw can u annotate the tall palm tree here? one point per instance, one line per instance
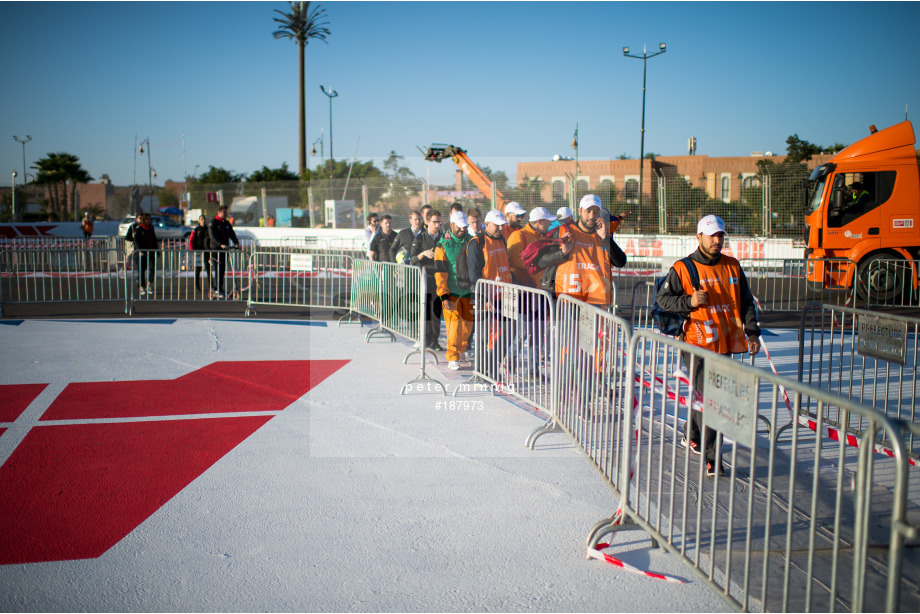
(302, 24)
(55, 171)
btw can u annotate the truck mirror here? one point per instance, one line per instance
(837, 196)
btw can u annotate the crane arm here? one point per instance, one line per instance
(438, 152)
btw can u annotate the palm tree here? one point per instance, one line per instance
(302, 24)
(55, 171)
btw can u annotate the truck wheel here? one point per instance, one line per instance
(880, 283)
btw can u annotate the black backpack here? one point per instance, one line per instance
(463, 273)
(668, 322)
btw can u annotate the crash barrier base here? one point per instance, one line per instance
(299, 279)
(800, 521)
(394, 296)
(866, 356)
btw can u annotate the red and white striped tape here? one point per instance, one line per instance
(595, 553)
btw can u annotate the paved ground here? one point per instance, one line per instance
(135, 482)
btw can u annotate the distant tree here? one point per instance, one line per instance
(167, 198)
(798, 150)
(651, 155)
(220, 175)
(624, 156)
(401, 174)
(266, 174)
(55, 171)
(96, 210)
(361, 170)
(301, 25)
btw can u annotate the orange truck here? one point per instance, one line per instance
(863, 205)
(440, 151)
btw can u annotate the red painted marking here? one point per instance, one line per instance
(102, 481)
(74, 491)
(218, 388)
(14, 398)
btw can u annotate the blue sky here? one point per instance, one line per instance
(505, 80)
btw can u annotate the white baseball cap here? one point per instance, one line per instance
(540, 213)
(710, 225)
(495, 216)
(515, 208)
(588, 201)
(459, 218)
(564, 212)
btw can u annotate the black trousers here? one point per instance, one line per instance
(694, 427)
(218, 266)
(433, 312)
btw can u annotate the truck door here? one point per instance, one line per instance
(854, 212)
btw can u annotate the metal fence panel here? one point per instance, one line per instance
(782, 284)
(513, 351)
(300, 279)
(171, 275)
(83, 274)
(890, 282)
(864, 356)
(802, 521)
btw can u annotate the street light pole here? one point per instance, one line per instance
(331, 96)
(644, 57)
(15, 214)
(149, 169)
(13, 207)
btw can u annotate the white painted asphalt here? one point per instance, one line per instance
(353, 498)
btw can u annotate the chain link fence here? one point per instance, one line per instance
(768, 203)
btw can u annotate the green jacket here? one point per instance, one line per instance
(445, 256)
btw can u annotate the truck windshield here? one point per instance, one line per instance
(816, 182)
(815, 194)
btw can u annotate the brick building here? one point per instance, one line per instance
(721, 178)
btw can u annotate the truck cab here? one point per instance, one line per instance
(863, 205)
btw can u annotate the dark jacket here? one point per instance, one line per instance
(382, 246)
(423, 242)
(143, 236)
(405, 238)
(220, 232)
(671, 297)
(199, 239)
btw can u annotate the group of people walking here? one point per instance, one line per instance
(209, 240)
(573, 254)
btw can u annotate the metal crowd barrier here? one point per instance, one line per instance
(891, 283)
(781, 284)
(864, 356)
(588, 382)
(299, 279)
(512, 351)
(171, 276)
(84, 274)
(394, 296)
(809, 521)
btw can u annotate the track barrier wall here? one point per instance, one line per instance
(867, 357)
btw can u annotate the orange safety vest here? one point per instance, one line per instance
(496, 267)
(586, 273)
(716, 326)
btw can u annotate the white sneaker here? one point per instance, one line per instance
(453, 365)
(143, 291)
